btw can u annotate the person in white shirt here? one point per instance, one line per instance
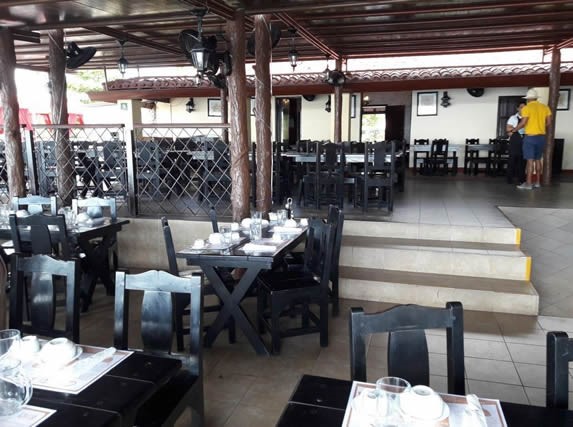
(516, 162)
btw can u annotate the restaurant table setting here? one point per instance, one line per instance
(58, 365)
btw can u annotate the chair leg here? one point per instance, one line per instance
(334, 297)
(275, 329)
(324, 323)
(260, 311)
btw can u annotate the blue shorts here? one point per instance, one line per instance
(533, 146)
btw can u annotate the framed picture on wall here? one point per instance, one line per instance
(353, 107)
(252, 106)
(563, 101)
(214, 107)
(427, 104)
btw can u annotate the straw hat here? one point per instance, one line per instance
(531, 94)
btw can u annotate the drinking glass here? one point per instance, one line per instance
(4, 214)
(256, 226)
(15, 387)
(70, 215)
(281, 217)
(225, 230)
(9, 343)
(392, 388)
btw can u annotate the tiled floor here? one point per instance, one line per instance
(505, 354)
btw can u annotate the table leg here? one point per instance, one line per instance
(232, 307)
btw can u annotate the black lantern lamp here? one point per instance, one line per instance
(445, 100)
(200, 53)
(122, 63)
(190, 106)
(293, 53)
(327, 106)
(326, 71)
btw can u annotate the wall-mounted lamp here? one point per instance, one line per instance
(327, 107)
(366, 100)
(445, 100)
(190, 106)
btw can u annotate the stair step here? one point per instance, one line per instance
(498, 261)
(459, 233)
(405, 287)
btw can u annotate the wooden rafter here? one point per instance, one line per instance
(121, 35)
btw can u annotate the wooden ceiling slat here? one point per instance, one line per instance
(121, 35)
(290, 6)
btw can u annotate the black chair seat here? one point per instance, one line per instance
(288, 280)
(159, 407)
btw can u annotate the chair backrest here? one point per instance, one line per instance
(96, 202)
(36, 204)
(44, 272)
(379, 150)
(336, 219)
(169, 247)
(318, 250)
(407, 346)
(213, 218)
(157, 313)
(113, 155)
(358, 147)
(40, 235)
(472, 141)
(559, 354)
(439, 147)
(422, 141)
(3, 280)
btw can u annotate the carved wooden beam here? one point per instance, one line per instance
(239, 144)
(263, 95)
(122, 35)
(338, 107)
(554, 84)
(9, 97)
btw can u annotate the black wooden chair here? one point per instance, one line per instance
(41, 234)
(407, 346)
(44, 273)
(559, 354)
(185, 389)
(498, 157)
(437, 162)
(216, 171)
(471, 156)
(181, 303)
(379, 174)
(280, 292)
(3, 288)
(325, 185)
(36, 204)
(420, 156)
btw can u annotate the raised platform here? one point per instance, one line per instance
(483, 268)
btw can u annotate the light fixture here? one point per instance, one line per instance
(198, 78)
(190, 106)
(293, 53)
(122, 63)
(336, 78)
(327, 106)
(326, 71)
(200, 53)
(366, 100)
(445, 100)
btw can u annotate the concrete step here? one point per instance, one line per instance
(456, 233)
(477, 259)
(405, 287)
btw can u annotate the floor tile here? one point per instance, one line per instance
(527, 353)
(505, 392)
(491, 370)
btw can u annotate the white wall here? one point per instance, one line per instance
(469, 117)
(315, 122)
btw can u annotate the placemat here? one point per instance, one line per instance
(29, 416)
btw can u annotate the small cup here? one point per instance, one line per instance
(235, 236)
(58, 351)
(225, 231)
(256, 231)
(422, 402)
(215, 238)
(199, 244)
(9, 342)
(281, 216)
(235, 226)
(29, 346)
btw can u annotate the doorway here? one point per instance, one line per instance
(373, 123)
(506, 107)
(287, 119)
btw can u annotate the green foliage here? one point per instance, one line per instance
(84, 81)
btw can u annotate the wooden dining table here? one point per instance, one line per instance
(114, 398)
(95, 263)
(211, 262)
(321, 401)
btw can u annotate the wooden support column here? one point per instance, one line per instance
(224, 113)
(65, 173)
(9, 98)
(554, 83)
(238, 144)
(263, 113)
(338, 107)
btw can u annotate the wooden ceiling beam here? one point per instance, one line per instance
(287, 6)
(117, 20)
(12, 3)
(26, 36)
(307, 35)
(122, 35)
(427, 10)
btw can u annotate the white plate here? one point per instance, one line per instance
(59, 363)
(416, 417)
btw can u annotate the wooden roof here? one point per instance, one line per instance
(340, 28)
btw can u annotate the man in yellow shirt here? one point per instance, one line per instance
(535, 118)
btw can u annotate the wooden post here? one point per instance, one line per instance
(239, 144)
(9, 97)
(554, 83)
(263, 113)
(224, 113)
(64, 156)
(338, 107)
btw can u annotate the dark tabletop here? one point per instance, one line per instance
(321, 401)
